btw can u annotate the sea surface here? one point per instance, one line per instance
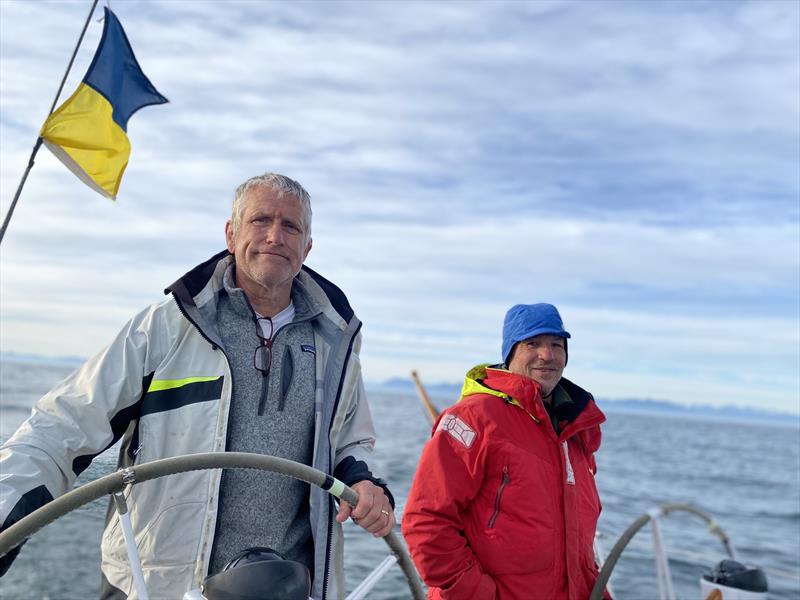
(746, 475)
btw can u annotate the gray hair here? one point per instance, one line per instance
(281, 185)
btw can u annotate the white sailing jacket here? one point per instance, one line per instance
(164, 386)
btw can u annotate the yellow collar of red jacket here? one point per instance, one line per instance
(473, 384)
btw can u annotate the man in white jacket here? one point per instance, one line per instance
(251, 352)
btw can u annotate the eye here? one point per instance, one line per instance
(294, 228)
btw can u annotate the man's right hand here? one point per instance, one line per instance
(374, 511)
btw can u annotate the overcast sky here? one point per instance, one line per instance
(634, 163)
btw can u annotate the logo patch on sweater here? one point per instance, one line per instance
(308, 348)
(458, 429)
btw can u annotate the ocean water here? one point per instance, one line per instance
(746, 475)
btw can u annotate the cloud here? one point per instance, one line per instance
(674, 303)
(633, 162)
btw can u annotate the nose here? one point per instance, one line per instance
(546, 353)
(275, 234)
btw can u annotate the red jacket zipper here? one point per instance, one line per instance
(498, 496)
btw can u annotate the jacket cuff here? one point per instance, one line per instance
(30, 501)
(350, 471)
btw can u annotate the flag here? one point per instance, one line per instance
(88, 132)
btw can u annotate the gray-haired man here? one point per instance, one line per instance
(252, 352)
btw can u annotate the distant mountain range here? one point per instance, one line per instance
(449, 392)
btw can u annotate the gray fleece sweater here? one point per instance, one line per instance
(271, 414)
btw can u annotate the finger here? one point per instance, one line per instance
(345, 511)
(388, 525)
(373, 521)
(380, 521)
(366, 503)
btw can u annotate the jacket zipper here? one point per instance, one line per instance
(331, 506)
(499, 496)
(202, 333)
(570, 472)
(516, 403)
(214, 346)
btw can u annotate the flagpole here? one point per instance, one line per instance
(38, 143)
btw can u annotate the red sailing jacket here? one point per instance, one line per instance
(501, 506)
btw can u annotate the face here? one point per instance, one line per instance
(541, 358)
(270, 242)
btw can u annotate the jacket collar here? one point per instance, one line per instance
(199, 288)
(576, 406)
(509, 387)
(304, 306)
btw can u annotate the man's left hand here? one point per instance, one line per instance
(373, 513)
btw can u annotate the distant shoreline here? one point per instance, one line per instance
(448, 392)
(37, 359)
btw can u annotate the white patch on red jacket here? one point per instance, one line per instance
(458, 429)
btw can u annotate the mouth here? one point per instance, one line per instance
(270, 253)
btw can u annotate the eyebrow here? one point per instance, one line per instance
(267, 215)
(556, 339)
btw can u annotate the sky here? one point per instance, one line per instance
(635, 163)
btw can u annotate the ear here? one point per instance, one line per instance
(308, 249)
(229, 237)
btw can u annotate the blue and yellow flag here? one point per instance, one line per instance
(88, 132)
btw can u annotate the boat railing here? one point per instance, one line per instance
(666, 590)
(690, 556)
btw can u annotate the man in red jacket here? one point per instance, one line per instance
(504, 503)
